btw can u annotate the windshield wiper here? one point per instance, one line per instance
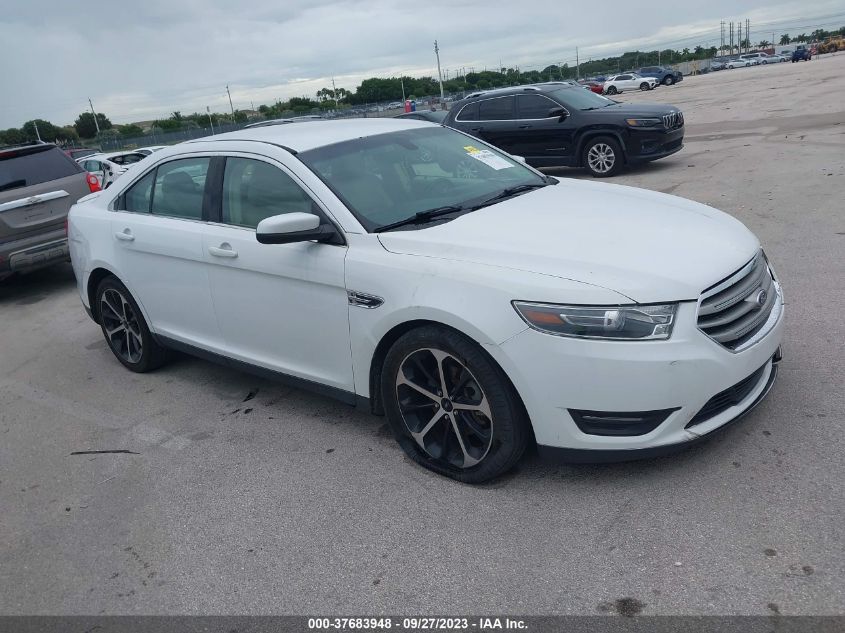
(510, 191)
(420, 217)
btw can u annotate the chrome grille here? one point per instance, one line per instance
(673, 120)
(736, 310)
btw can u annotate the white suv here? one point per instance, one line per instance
(419, 272)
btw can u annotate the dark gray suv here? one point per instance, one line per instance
(38, 185)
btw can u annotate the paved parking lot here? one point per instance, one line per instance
(243, 496)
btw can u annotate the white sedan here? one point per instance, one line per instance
(628, 81)
(107, 167)
(481, 310)
(740, 62)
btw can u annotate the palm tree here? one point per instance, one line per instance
(763, 44)
(785, 39)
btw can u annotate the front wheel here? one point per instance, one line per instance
(644, 86)
(668, 81)
(125, 329)
(451, 408)
(602, 157)
(612, 90)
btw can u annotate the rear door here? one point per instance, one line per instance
(38, 185)
(497, 124)
(157, 229)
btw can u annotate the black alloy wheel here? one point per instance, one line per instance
(451, 407)
(125, 329)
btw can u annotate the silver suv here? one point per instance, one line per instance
(38, 185)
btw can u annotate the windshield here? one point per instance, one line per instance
(580, 99)
(389, 177)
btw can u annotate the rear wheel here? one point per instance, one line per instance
(451, 407)
(668, 80)
(125, 329)
(602, 157)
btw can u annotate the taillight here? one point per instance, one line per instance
(93, 183)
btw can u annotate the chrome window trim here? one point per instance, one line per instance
(459, 120)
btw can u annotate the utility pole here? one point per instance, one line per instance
(439, 74)
(210, 122)
(96, 123)
(230, 103)
(402, 81)
(334, 90)
(37, 135)
(731, 36)
(722, 38)
(577, 66)
(739, 37)
(748, 34)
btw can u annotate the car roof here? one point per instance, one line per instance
(301, 138)
(529, 88)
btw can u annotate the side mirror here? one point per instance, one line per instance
(561, 113)
(288, 228)
(519, 159)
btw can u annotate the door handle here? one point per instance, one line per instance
(475, 129)
(224, 250)
(522, 127)
(125, 235)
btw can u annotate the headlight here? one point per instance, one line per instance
(631, 322)
(643, 122)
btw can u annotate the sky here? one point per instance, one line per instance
(143, 60)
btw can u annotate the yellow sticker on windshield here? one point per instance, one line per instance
(470, 148)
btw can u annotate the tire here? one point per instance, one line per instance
(125, 329)
(612, 90)
(602, 157)
(479, 441)
(668, 80)
(644, 86)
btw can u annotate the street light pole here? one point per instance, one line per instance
(210, 122)
(439, 74)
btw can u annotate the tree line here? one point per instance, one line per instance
(377, 90)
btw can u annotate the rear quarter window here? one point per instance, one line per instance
(34, 165)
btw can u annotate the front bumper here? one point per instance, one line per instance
(554, 374)
(647, 145)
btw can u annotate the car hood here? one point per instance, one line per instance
(635, 109)
(648, 246)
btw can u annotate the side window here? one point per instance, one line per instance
(178, 190)
(138, 197)
(499, 109)
(469, 112)
(623, 77)
(91, 165)
(254, 190)
(534, 106)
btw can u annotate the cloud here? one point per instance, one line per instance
(144, 60)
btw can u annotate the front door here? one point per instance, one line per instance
(543, 140)
(281, 306)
